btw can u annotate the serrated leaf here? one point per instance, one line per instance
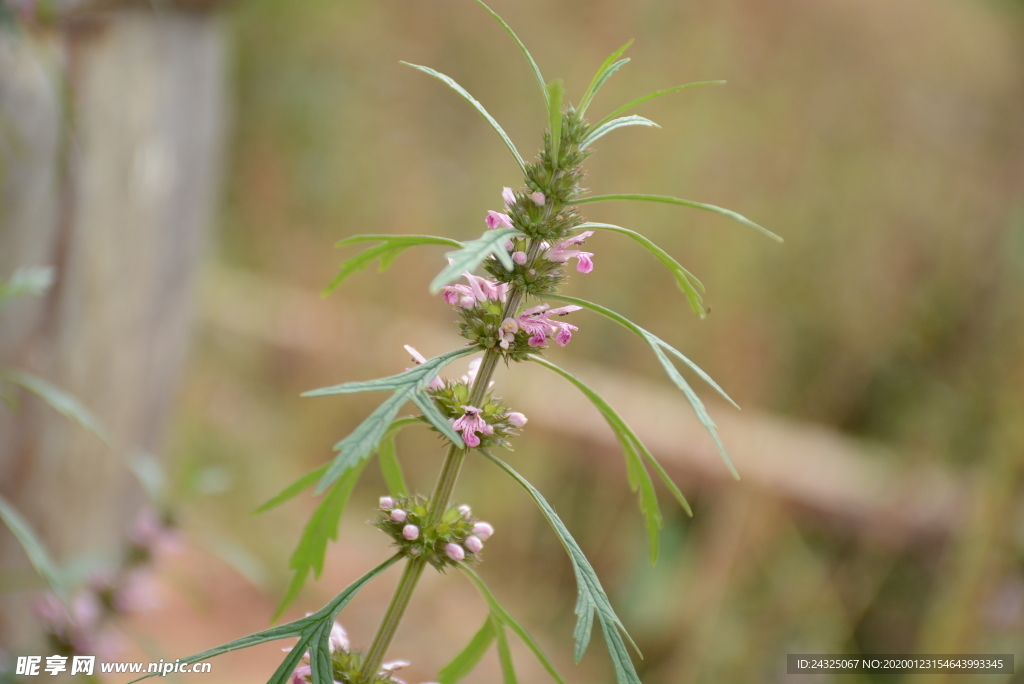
(293, 490)
(657, 345)
(683, 277)
(555, 92)
(499, 613)
(462, 664)
(59, 400)
(479, 108)
(610, 66)
(473, 253)
(390, 467)
(419, 375)
(682, 202)
(33, 548)
(632, 447)
(391, 247)
(604, 129)
(320, 655)
(283, 673)
(435, 417)
(592, 599)
(306, 629)
(32, 280)
(522, 48)
(651, 96)
(320, 529)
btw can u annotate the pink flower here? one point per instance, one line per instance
(537, 321)
(498, 220)
(435, 383)
(483, 530)
(507, 332)
(564, 251)
(302, 674)
(474, 543)
(411, 532)
(516, 419)
(508, 196)
(454, 551)
(478, 290)
(339, 639)
(470, 423)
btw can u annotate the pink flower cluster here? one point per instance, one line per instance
(339, 644)
(537, 321)
(478, 290)
(564, 251)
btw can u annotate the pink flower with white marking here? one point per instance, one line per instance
(478, 290)
(471, 423)
(564, 251)
(537, 321)
(495, 219)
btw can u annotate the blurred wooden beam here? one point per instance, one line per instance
(809, 466)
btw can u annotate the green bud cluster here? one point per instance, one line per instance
(431, 541)
(481, 325)
(346, 669)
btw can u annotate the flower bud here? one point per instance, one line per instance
(483, 530)
(465, 510)
(398, 515)
(519, 257)
(387, 503)
(538, 198)
(411, 532)
(474, 543)
(454, 551)
(508, 196)
(515, 418)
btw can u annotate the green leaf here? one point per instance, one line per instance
(33, 548)
(603, 129)
(462, 664)
(476, 105)
(508, 668)
(592, 600)
(321, 528)
(632, 448)
(686, 203)
(473, 254)
(686, 281)
(657, 345)
(651, 96)
(293, 490)
(33, 280)
(503, 617)
(435, 417)
(610, 66)
(284, 671)
(419, 375)
(306, 629)
(59, 400)
(392, 246)
(390, 468)
(320, 655)
(522, 48)
(555, 92)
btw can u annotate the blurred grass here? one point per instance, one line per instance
(884, 141)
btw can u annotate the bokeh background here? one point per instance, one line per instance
(878, 354)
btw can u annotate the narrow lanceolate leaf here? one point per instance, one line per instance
(293, 490)
(410, 385)
(610, 66)
(390, 467)
(306, 629)
(320, 655)
(686, 281)
(508, 668)
(33, 280)
(522, 48)
(467, 659)
(59, 400)
(321, 529)
(33, 548)
(603, 129)
(473, 254)
(479, 108)
(391, 246)
(419, 375)
(651, 96)
(435, 417)
(658, 346)
(555, 92)
(592, 599)
(633, 449)
(686, 203)
(503, 617)
(283, 673)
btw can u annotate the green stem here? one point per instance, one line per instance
(396, 609)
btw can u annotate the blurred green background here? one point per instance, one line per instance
(883, 140)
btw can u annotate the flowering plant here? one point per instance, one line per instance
(506, 316)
